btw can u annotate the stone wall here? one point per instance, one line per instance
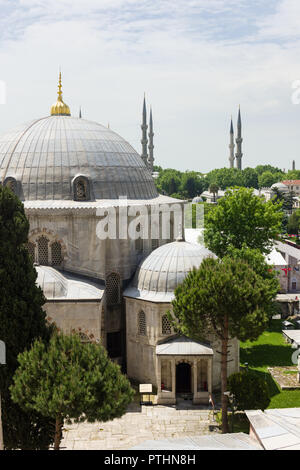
(83, 317)
(141, 357)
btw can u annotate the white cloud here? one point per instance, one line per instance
(196, 60)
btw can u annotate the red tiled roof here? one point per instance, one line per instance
(287, 182)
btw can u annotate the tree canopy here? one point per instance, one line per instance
(67, 379)
(239, 219)
(22, 320)
(226, 298)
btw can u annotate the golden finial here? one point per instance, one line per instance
(60, 108)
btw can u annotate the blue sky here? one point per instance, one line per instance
(197, 60)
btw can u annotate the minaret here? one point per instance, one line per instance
(239, 141)
(80, 114)
(293, 165)
(231, 146)
(144, 140)
(150, 146)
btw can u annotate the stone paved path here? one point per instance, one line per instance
(150, 422)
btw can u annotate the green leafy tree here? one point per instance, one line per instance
(241, 218)
(224, 298)
(214, 188)
(22, 320)
(250, 178)
(67, 379)
(192, 184)
(293, 224)
(266, 179)
(169, 181)
(250, 390)
(292, 175)
(225, 177)
(273, 169)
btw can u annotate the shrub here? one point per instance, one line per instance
(250, 390)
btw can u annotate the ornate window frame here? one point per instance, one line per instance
(109, 294)
(52, 238)
(85, 182)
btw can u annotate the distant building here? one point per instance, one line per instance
(293, 185)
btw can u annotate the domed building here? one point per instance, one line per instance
(174, 364)
(102, 241)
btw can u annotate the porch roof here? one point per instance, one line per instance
(183, 346)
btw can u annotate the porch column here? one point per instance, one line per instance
(195, 387)
(209, 374)
(158, 376)
(173, 369)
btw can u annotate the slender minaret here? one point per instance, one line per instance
(231, 146)
(80, 114)
(294, 165)
(144, 140)
(150, 146)
(239, 141)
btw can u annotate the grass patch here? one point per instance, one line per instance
(271, 350)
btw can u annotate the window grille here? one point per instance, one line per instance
(43, 250)
(166, 325)
(56, 257)
(112, 289)
(142, 323)
(81, 189)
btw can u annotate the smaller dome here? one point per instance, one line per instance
(165, 268)
(51, 282)
(281, 187)
(197, 199)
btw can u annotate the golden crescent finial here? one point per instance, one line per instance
(60, 108)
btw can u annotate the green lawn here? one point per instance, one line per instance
(271, 350)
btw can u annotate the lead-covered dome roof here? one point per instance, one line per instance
(45, 156)
(165, 268)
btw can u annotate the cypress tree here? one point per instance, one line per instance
(22, 320)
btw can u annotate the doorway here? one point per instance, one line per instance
(183, 378)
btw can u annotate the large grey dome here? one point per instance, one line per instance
(165, 268)
(46, 155)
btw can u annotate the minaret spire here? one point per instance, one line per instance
(151, 146)
(144, 140)
(231, 146)
(239, 141)
(80, 114)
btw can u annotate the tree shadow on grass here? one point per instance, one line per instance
(267, 355)
(267, 377)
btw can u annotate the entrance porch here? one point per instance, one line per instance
(184, 367)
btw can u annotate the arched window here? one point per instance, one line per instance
(56, 257)
(81, 188)
(142, 323)
(112, 289)
(31, 250)
(43, 250)
(166, 327)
